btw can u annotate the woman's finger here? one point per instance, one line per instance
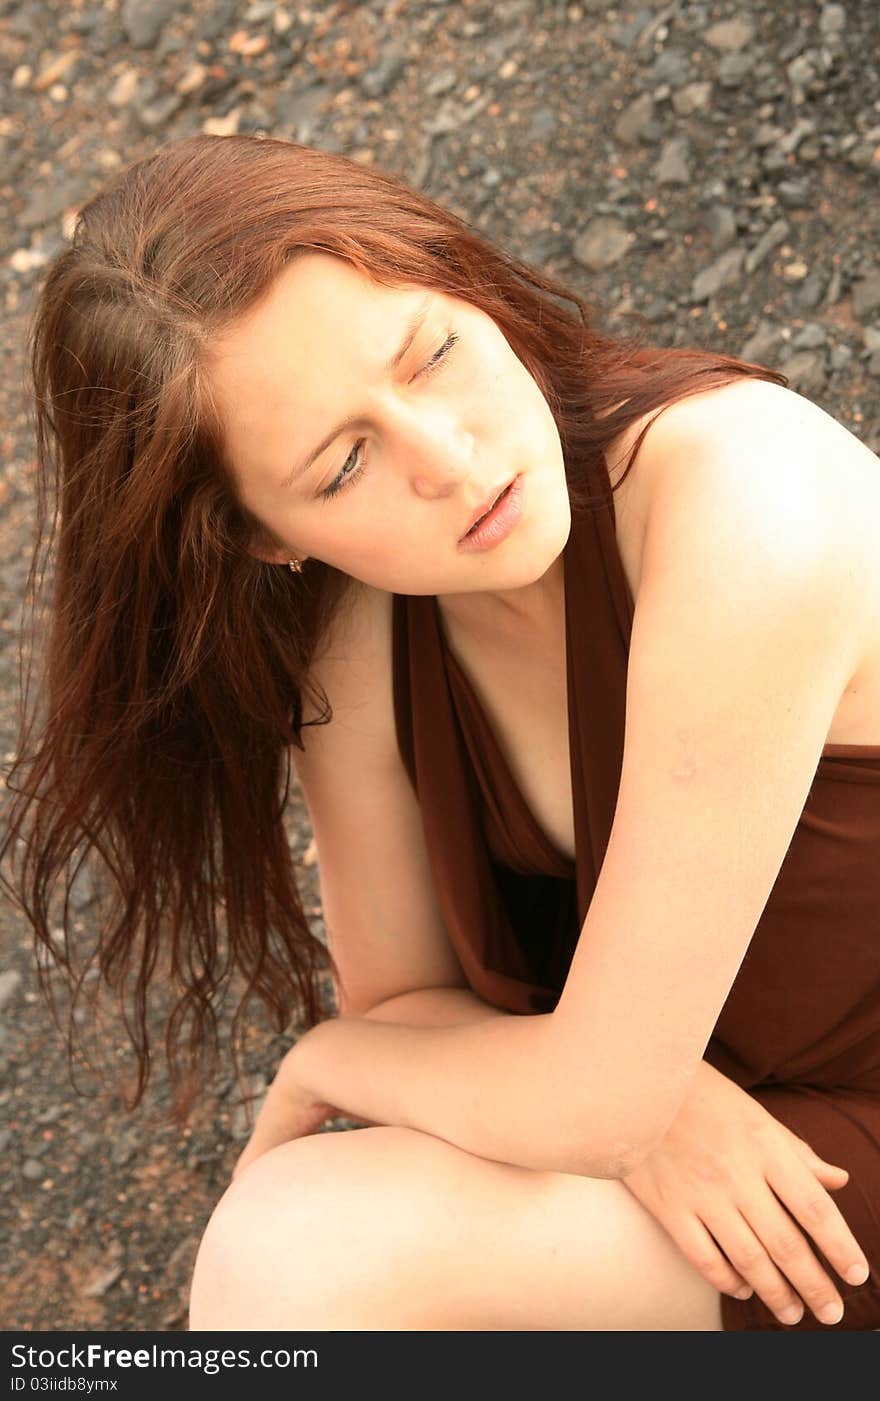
(832, 1177)
(785, 1243)
(809, 1203)
(701, 1251)
(749, 1258)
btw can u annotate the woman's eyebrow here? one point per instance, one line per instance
(415, 325)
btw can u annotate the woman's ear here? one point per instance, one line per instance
(263, 545)
(271, 554)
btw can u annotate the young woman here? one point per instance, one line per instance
(595, 783)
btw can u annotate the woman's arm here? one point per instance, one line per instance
(746, 630)
(496, 1087)
(290, 1110)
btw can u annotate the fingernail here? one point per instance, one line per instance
(743, 1293)
(831, 1313)
(792, 1315)
(857, 1274)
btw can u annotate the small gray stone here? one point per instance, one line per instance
(734, 69)
(720, 223)
(630, 124)
(840, 357)
(694, 97)
(776, 234)
(866, 296)
(730, 34)
(811, 290)
(32, 1170)
(805, 371)
(219, 15)
(153, 115)
(871, 338)
(103, 1281)
(441, 83)
(789, 143)
(795, 194)
(861, 156)
(630, 27)
(810, 337)
(800, 74)
(673, 167)
(761, 346)
(724, 272)
(672, 67)
(832, 19)
(122, 1152)
(144, 20)
(835, 284)
(603, 243)
(766, 134)
(10, 982)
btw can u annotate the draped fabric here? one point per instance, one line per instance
(800, 1029)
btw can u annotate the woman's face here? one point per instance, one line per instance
(428, 440)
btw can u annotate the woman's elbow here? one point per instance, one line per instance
(588, 1153)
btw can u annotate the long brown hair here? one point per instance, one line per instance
(176, 662)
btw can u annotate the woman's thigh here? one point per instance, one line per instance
(389, 1228)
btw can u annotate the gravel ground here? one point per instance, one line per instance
(714, 167)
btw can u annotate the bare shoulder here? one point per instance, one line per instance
(762, 439)
(749, 411)
(758, 416)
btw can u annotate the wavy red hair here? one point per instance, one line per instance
(174, 663)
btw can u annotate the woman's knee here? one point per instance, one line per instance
(313, 1223)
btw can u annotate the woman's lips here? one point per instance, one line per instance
(487, 507)
(499, 522)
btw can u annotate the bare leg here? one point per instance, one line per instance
(389, 1228)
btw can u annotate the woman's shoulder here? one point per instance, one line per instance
(755, 425)
(759, 440)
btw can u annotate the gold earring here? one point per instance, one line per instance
(295, 565)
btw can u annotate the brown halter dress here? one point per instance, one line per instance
(800, 1029)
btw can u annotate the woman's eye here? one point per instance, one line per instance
(342, 480)
(440, 355)
(345, 477)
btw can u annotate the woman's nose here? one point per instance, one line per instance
(440, 451)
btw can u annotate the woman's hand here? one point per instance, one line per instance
(290, 1110)
(725, 1183)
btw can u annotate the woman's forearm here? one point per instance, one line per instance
(440, 1006)
(494, 1087)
